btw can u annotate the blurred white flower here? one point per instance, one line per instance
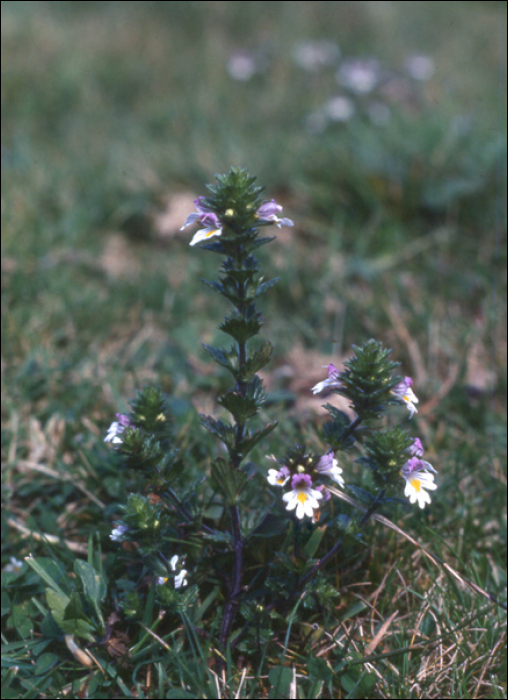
(361, 75)
(313, 55)
(14, 566)
(420, 67)
(339, 109)
(242, 65)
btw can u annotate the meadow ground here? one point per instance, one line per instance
(380, 126)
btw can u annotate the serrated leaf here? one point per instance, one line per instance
(219, 428)
(241, 407)
(214, 247)
(230, 482)
(241, 329)
(218, 355)
(265, 286)
(216, 286)
(262, 241)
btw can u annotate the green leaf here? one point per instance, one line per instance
(210, 598)
(216, 286)
(280, 678)
(319, 669)
(228, 481)
(270, 526)
(262, 241)
(241, 407)
(94, 586)
(354, 610)
(220, 357)
(48, 570)
(314, 541)
(44, 663)
(74, 609)
(244, 405)
(265, 286)
(6, 603)
(219, 428)
(58, 604)
(241, 329)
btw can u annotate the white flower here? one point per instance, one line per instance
(278, 477)
(269, 211)
(211, 229)
(210, 221)
(118, 532)
(114, 431)
(303, 497)
(333, 380)
(181, 577)
(419, 480)
(117, 428)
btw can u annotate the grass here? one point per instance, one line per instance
(114, 116)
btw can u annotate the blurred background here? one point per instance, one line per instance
(379, 126)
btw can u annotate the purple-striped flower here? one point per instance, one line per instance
(278, 477)
(210, 221)
(117, 428)
(405, 393)
(268, 212)
(303, 497)
(332, 381)
(118, 532)
(418, 475)
(329, 466)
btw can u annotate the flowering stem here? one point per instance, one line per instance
(375, 505)
(184, 510)
(353, 426)
(233, 601)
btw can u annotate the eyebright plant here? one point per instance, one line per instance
(244, 536)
